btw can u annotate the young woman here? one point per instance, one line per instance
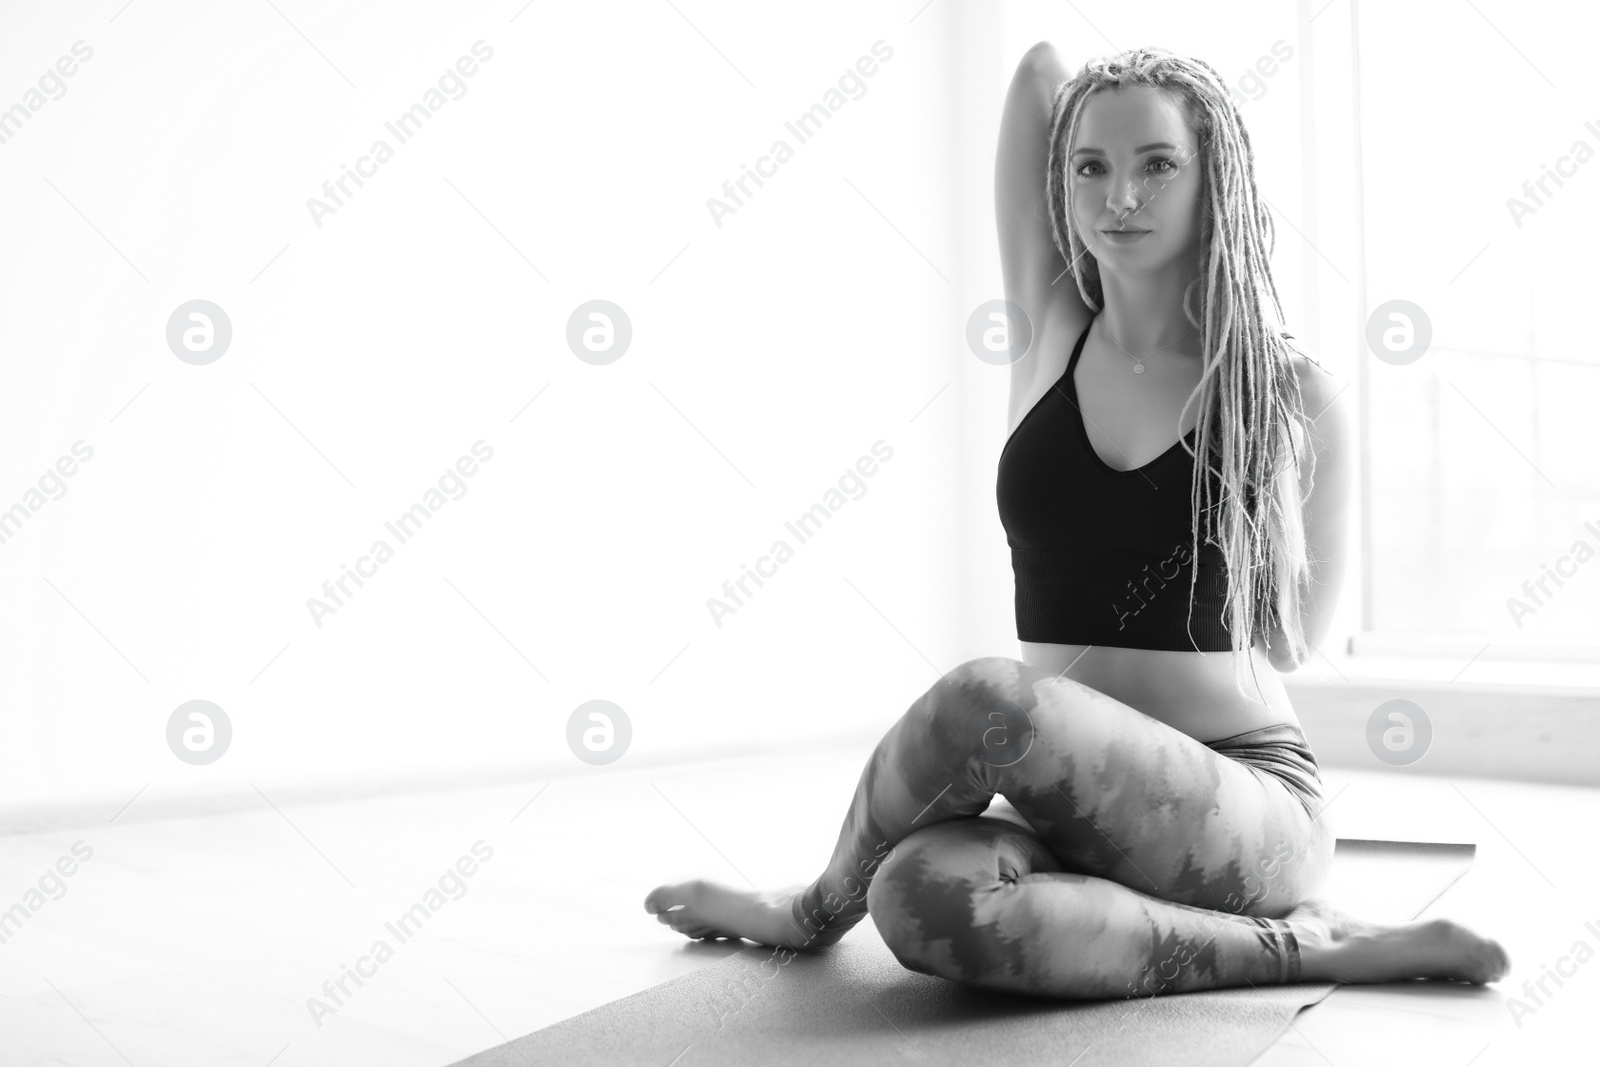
(1159, 829)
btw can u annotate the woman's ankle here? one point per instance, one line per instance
(819, 919)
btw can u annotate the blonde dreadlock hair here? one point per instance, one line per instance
(1251, 424)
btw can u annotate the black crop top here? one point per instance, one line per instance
(1101, 556)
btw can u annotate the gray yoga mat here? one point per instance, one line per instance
(855, 1004)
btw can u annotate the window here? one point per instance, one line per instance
(1480, 197)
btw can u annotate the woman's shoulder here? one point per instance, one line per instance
(1332, 424)
(1313, 376)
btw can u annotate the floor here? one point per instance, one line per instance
(204, 940)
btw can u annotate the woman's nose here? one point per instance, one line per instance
(1124, 198)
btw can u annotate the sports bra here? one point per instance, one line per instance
(1102, 556)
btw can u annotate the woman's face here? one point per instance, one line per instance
(1135, 178)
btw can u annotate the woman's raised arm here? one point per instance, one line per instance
(1032, 269)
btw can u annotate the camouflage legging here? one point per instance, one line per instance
(1132, 860)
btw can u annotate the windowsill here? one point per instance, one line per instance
(1435, 672)
(1489, 718)
(1469, 648)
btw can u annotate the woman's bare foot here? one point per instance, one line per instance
(1339, 948)
(703, 909)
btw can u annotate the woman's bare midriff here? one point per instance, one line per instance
(1192, 692)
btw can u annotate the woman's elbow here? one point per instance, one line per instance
(1282, 656)
(1042, 60)
(1283, 660)
(1042, 50)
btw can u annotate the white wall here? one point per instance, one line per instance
(767, 358)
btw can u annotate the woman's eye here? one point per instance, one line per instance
(1166, 166)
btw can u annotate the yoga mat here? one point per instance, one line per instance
(854, 1003)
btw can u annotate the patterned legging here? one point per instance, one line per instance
(1132, 859)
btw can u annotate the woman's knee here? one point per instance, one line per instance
(894, 899)
(983, 667)
(925, 898)
(981, 710)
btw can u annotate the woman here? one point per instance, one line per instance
(1159, 825)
